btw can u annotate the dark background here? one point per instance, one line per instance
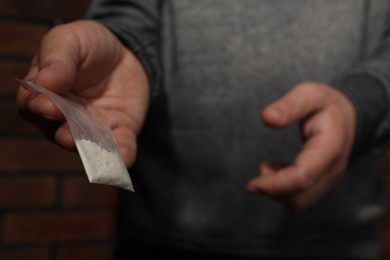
(48, 210)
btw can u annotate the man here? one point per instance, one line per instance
(181, 84)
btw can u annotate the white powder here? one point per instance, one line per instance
(103, 166)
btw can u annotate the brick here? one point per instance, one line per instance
(384, 239)
(385, 160)
(39, 253)
(74, 9)
(55, 227)
(382, 228)
(11, 68)
(20, 40)
(27, 192)
(78, 192)
(386, 180)
(12, 123)
(43, 10)
(21, 155)
(96, 252)
(382, 222)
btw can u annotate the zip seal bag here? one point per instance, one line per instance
(94, 140)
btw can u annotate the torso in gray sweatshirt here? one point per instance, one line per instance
(214, 65)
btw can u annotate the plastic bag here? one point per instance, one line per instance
(94, 140)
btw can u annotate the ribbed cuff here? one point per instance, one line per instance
(142, 50)
(369, 97)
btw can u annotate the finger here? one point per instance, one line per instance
(292, 107)
(38, 109)
(270, 168)
(125, 135)
(33, 70)
(309, 197)
(126, 141)
(266, 169)
(311, 163)
(63, 137)
(59, 133)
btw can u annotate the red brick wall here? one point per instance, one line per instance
(382, 224)
(48, 210)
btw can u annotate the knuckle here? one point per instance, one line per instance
(315, 90)
(305, 84)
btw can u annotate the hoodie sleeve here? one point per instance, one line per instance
(367, 84)
(137, 24)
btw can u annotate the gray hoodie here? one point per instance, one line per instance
(213, 65)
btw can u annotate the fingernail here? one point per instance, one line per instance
(50, 117)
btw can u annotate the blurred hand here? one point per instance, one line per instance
(86, 63)
(328, 124)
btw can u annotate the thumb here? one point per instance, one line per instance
(302, 101)
(57, 62)
(54, 68)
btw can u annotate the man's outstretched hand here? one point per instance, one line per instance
(328, 124)
(86, 63)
